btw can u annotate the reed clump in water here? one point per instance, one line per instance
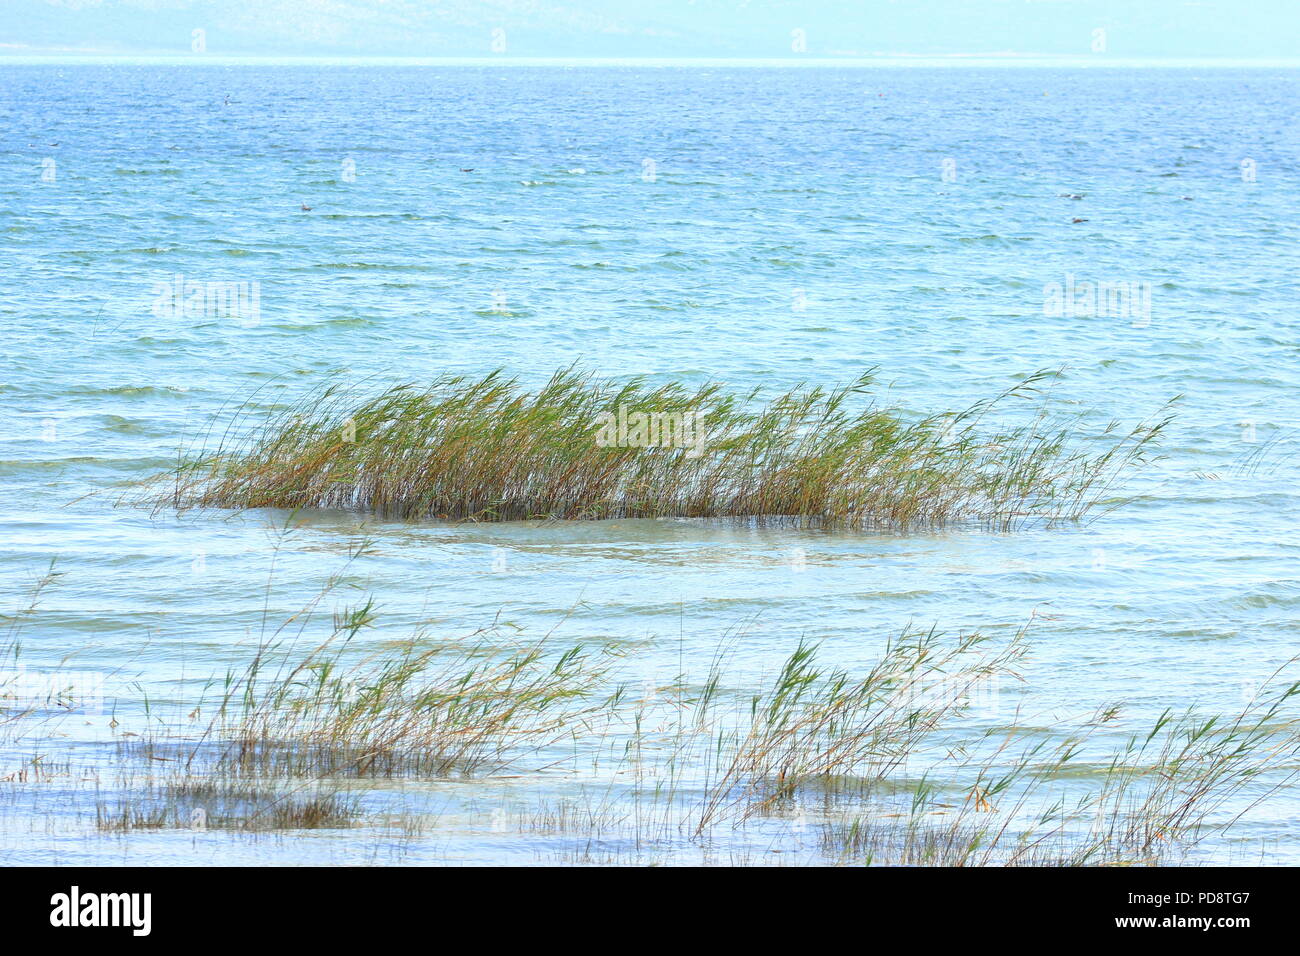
(1155, 797)
(1157, 794)
(846, 751)
(813, 726)
(582, 447)
(422, 708)
(220, 803)
(695, 768)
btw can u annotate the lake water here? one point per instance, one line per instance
(755, 226)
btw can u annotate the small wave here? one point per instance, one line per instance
(1288, 597)
(127, 391)
(349, 322)
(124, 171)
(605, 265)
(371, 215)
(125, 426)
(372, 266)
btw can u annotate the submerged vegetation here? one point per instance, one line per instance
(582, 447)
(221, 804)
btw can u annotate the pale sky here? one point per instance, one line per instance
(655, 28)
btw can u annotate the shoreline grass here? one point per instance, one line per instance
(489, 450)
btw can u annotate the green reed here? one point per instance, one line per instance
(423, 708)
(488, 450)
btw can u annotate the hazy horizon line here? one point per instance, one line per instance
(949, 59)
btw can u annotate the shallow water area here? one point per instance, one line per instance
(792, 225)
